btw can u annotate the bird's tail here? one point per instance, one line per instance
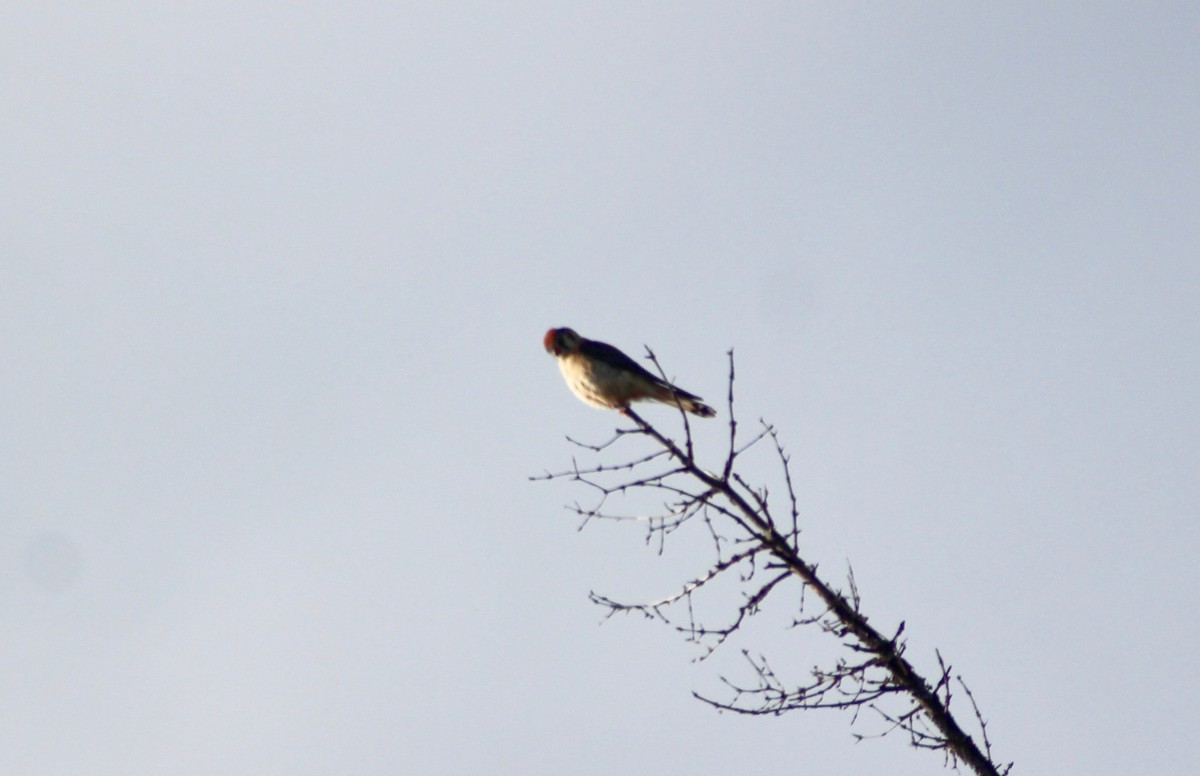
(690, 402)
(697, 407)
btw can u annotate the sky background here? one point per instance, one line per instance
(273, 281)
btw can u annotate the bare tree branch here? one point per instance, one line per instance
(874, 673)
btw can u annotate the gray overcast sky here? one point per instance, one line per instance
(273, 280)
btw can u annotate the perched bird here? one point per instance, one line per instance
(603, 376)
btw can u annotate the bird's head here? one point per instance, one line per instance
(560, 341)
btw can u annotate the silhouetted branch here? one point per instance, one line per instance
(873, 675)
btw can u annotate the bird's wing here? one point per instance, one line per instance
(607, 353)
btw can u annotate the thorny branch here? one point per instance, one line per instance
(747, 537)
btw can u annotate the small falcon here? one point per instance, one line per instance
(603, 376)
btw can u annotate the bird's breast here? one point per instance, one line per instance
(596, 382)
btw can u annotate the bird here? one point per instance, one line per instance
(602, 376)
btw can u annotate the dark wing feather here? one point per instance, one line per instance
(605, 352)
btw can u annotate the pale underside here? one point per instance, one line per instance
(603, 385)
